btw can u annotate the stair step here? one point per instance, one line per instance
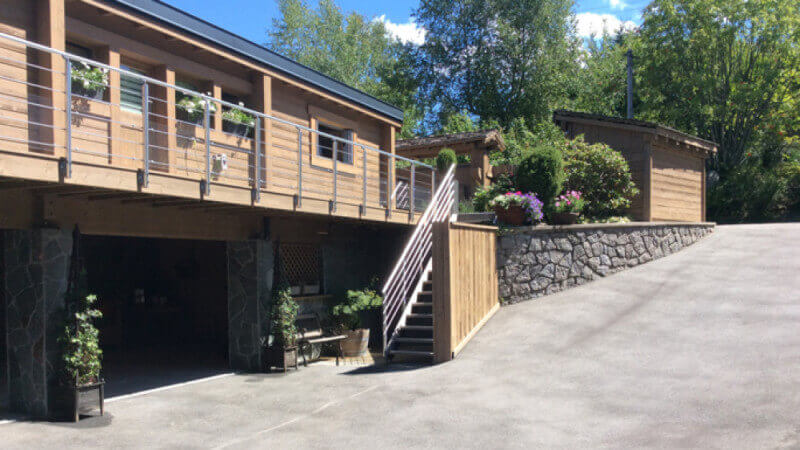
(418, 327)
(411, 353)
(419, 319)
(425, 297)
(411, 340)
(427, 286)
(422, 308)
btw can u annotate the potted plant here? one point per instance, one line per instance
(88, 81)
(348, 316)
(192, 107)
(567, 208)
(283, 334)
(516, 208)
(238, 122)
(82, 354)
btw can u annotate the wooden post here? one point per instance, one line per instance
(442, 311)
(389, 147)
(703, 192)
(163, 120)
(262, 102)
(51, 32)
(112, 58)
(647, 182)
(216, 92)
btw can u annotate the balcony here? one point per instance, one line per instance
(71, 120)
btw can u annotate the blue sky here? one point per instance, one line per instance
(252, 18)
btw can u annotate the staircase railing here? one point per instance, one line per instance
(405, 278)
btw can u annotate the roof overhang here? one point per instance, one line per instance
(199, 28)
(461, 143)
(683, 140)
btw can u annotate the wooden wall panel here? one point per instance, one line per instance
(465, 293)
(677, 193)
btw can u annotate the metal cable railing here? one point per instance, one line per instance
(407, 274)
(149, 129)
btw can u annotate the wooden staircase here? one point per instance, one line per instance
(414, 339)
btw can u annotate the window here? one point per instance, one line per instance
(344, 151)
(130, 90)
(79, 50)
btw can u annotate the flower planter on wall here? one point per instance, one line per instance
(564, 218)
(513, 215)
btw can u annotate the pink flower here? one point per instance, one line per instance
(558, 204)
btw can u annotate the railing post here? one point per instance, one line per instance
(389, 185)
(411, 191)
(146, 132)
(299, 201)
(68, 110)
(207, 125)
(433, 183)
(257, 153)
(335, 173)
(363, 178)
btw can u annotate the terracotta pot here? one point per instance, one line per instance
(356, 343)
(564, 218)
(513, 215)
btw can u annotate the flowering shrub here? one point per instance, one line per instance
(528, 202)
(571, 202)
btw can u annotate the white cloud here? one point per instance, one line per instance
(617, 4)
(404, 32)
(588, 24)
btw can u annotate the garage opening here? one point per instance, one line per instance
(164, 304)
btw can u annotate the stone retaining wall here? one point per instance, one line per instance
(537, 261)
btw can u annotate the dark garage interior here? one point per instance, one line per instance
(164, 305)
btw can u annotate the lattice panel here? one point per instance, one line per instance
(300, 264)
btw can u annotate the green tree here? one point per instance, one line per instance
(349, 48)
(497, 59)
(719, 68)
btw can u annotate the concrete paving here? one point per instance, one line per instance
(700, 349)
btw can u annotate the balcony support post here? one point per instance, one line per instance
(364, 179)
(257, 157)
(299, 201)
(68, 109)
(207, 127)
(411, 189)
(335, 174)
(146, 133)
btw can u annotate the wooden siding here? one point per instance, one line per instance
(633, 146)
(107, 136)
(465, 292)
(677, 180)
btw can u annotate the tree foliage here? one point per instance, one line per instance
(720, 69)
(497, 59)
(349, 48)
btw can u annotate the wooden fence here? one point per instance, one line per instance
(465, 284)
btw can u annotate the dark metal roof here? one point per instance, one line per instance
(223, 38)
(711, 147)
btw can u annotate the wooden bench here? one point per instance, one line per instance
(309, 332)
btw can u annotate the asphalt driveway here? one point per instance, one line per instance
(700, 349)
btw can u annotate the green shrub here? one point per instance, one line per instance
(284, 315)
(81, 340)
(347, 312)
(750, 193)
(482, 197)
(445, 159)
(541, 173)
(602, 175)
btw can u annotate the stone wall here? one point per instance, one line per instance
(537, 261)
(35, 282)
(250, 276)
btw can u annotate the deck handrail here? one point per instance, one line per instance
(205, 97)
(405, 277)
(296, 173)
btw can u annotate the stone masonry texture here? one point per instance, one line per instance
(35, 282)
(250, 276)
(538, 261)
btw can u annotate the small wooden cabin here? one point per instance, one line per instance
(477, 145)
(668, 166)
